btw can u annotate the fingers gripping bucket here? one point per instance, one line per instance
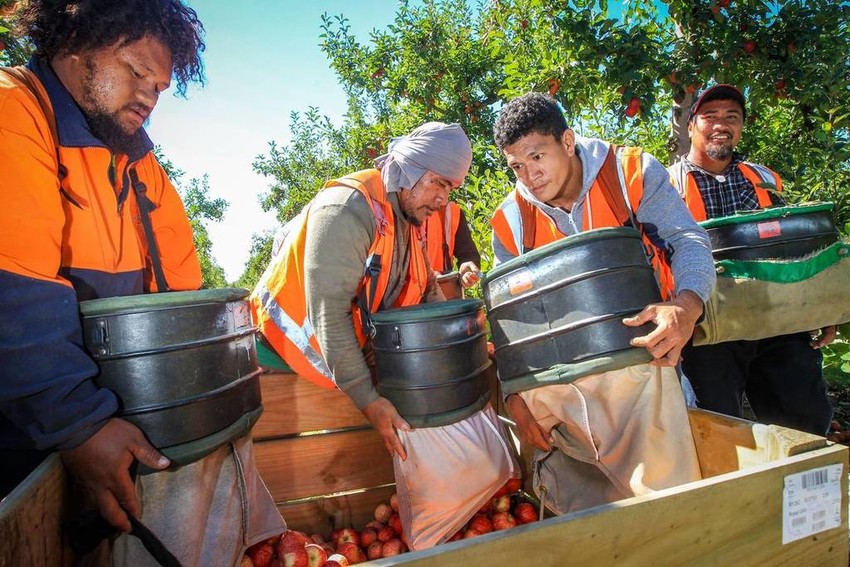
(183, 366)
(556, 312)
(431, 360)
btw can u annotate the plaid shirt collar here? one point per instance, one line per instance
(724, 194)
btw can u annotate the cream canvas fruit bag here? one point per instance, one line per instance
(450, 472)
(756, 299)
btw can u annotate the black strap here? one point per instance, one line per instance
(373, 269)
(146, 206)
(88, 529)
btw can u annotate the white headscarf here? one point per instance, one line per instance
(434, 146)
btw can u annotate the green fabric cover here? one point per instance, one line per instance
(768, 298)
(759, 215)
(428, 311)
(267, 358)
(153, 301)
(566, 373)
(574, 241)
(784, 271)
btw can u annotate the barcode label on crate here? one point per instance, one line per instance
(811, 502)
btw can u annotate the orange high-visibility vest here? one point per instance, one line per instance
(440, 231)
(520, 226)
(764, 181)
(279, 302)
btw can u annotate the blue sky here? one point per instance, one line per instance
(262, 62)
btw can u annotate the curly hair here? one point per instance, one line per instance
(531, 113)
(60, 27)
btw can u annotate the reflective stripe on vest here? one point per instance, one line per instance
(299, 334)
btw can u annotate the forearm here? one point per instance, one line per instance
(670, 226)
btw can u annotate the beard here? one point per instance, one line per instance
(719, 151)
(105, 125)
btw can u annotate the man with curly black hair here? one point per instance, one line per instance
(89, 213)
(614, 420)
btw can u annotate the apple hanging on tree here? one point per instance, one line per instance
(633, 108)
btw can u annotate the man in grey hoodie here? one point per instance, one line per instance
(622, 422)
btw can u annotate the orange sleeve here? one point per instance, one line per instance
(31, 215)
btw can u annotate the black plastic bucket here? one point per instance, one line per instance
(431, 360)
(183, 365)
(556, 312)
(778, 233)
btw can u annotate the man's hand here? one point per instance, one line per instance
(822, 337)
(469, 274)
(674, 322)
(385, 419)
(101, 465)
(529, 430)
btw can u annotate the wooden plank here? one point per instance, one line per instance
(726, 444)
(31, 519)
(331, 513)
(731, 519)
(323, 464)
(292, 404)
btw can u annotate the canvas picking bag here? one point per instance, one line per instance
(756, 299)
(450, 472)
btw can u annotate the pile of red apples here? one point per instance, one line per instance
(382, 537)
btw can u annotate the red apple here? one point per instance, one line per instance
(393, 547)
(525, 513)
(261, 554)
(458, 535)
(481, 524)
(749, 46)
(554, 85)
(513, 484)
(337, 560)
(347, 535)
(523, 24)
(724, 3)
(295, 557)
(329, 547)
(368, 536)
(633, 108)
(487, 507)
(502, 503)
(316, 555)
(383, 512)
(246, 562)
(317, 538)
(503, 521)
(387, 533)
(470, 533)
(375, 550)
(394, 501)
(395, 522)
(352, 552)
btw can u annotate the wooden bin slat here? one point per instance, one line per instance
(732, 519)
(292, 404)
(323, 464)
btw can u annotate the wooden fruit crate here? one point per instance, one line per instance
(326, 468)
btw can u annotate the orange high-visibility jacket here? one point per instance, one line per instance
(69, 230)
(520, 226)
(763, 179)
(279, 302)
(440, 231)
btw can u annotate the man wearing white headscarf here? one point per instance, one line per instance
(359, 234)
